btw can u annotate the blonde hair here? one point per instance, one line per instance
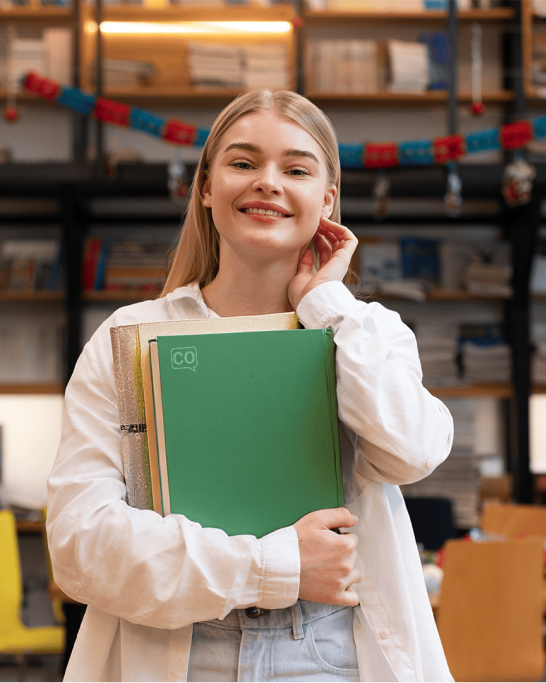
(196, 257)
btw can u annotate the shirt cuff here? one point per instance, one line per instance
(281, 582)
(326, 305)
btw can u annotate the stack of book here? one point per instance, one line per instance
(237, 66)
(30, 265)
(345, 66)
(50, 56)
(123, 73)
(477, 267)
(118, 265)
(485, 355)
(458, 477)
(437, 345)
(215, 64)
(489, 279)
(408, 66)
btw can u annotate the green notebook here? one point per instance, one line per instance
(247, 429)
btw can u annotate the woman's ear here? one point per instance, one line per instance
(328, 204)
(206, 196)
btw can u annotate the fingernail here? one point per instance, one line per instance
(355, 518)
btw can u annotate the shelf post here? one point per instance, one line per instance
(453, 86)
(522, 225)
(79, 121)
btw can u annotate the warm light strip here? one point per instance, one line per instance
(191, 27)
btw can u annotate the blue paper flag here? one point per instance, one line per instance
(201, 136)
(75, 99)
(415, 152)
(350, 156)
(147, 122)
(483, 140)
(539, 127)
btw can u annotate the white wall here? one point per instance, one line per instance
(31, 431)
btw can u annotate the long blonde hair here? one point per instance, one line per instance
(196, 257)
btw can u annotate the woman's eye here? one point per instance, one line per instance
(245, 165)
(298, 171)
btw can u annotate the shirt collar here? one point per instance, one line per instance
(192, 292)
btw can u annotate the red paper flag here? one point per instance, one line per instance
(448, 148)
(381, 155)
(179, 133)
(109, 111)
(43, 87)
(516, 135)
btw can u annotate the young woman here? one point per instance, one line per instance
(170, 600)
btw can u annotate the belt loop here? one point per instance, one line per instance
(297, 622)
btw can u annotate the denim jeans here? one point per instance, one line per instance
(306, 642)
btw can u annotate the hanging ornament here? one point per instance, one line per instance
(452, 197)
(178, 182)
(381, 194)
(518, 181)
(11, 113)
(477, 107)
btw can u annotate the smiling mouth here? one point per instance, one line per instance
(265, 212)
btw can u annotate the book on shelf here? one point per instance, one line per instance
(50, 56)
(438, 59)
(351, 66)
(30, 265)
(408, 66)
(124, 72)
(130, 349)
(420, 258)
(246, 427)
(485, 355)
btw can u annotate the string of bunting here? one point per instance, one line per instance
(373, 155)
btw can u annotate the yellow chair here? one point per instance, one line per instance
(512, 519)
(490, 614)
(15, 637)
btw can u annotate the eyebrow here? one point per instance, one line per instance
(249, 147)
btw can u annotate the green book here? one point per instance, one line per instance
(246, 427)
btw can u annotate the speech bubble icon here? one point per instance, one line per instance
(184, 358)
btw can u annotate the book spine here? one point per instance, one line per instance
(330, 366)
(134, 436)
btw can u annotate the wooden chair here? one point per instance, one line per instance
(490, 617)
(512, 520)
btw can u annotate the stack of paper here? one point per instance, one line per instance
(343, 66)
(437, 345)
(409, 68)
(214, 64)
(266, 66)
(487, 363)
(489, 279)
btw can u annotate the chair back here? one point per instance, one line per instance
(512, 519)
(490, 614)
(11, 587)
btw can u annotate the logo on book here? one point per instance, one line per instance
(184, 358)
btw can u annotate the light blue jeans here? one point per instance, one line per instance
(306, 642)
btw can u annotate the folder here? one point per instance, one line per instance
(246, 427)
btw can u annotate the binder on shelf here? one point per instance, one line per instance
(133, 380)
(246, 427)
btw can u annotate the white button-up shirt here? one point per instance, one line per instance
(147, 579)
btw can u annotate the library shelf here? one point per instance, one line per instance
(180, 13)
(503, 390)
(438, 295)
(49, 388)
(126, 295)
(31, 296)
(490, 15)
(538, 389)
(427, 97)
(36, 14)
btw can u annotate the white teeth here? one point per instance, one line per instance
(265, 212)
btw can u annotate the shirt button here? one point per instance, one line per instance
(254, 612)
(384, 634)
(429, 464)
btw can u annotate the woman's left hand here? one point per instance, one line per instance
(335, 245)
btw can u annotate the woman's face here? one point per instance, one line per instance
(267, 187)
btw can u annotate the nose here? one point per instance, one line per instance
(268, 181)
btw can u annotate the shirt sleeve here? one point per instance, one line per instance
(161, 572)
(401, 431)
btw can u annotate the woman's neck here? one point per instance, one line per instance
(249, 292)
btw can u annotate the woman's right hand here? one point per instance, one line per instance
(327, 559)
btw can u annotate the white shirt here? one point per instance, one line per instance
(147, 578)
